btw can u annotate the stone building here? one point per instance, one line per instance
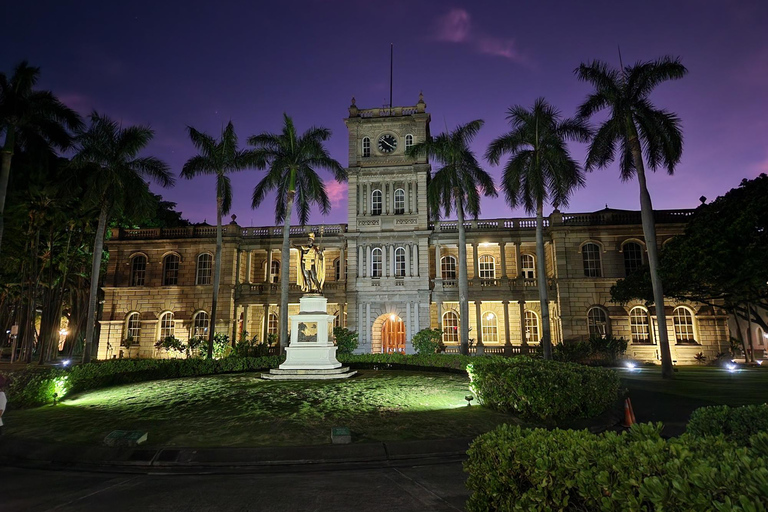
(392, 271)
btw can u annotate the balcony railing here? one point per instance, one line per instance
(319, 230)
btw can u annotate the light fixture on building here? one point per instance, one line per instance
(490, 316)
(392, 317)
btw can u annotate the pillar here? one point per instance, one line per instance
(522, 323)
(265, 327)
(475, 263)
(438, 269)
(360, 261)
(245, 317)
(268, 273)
(416, 258)
(503, 246)
(408, 259)
(368, 324)
(409, 327)
(248, 264)
(505, 306)
(416, 310)
(479, 322)
(440, 316)
(367, 269)
(342, 264)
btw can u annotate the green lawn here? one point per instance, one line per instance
(244, 410)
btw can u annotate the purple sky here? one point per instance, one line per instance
(202, 63)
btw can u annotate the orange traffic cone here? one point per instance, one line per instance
(629, 418)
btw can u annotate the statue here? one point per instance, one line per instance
(312, 266)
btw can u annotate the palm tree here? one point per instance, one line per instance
(218, 158)
(116, 185)
(291, 160)
(641, 130)
(30, 119)
(455, 185)
(540, 169)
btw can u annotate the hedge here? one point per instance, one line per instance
(543, 390)
(511, 468)
(737, 424)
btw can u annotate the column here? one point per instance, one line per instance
(342, 264)
(416, 258)
(409, 328)
(519, 259)
(367, 269)
(503, 246)
(360, 323)
(248, 263)
(342, 317)
(408, 260)
(479, 323)
(505, 306)
(368, 324)
(268, 273)
(386, 198)
(265, 327)
(416, 309)
(475, 262)
(360, 261)
(392, 260)
(239, 254)
(440, 316)
(522, 323)
(438, 269)
(245, 317)
(410, 198)
(357, 200)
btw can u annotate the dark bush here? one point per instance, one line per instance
(737, 424)
(428, 341)
(346, 340)
(543, 390)
(511, 468)
(597, 350)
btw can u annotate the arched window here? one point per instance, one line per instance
(376, 202)
(490, 328)
(448, 268)
(683, 321)
(633, 257)
(638, 323)
(528, 266)
(133, 328)
(487, 267)
(597, 320)
(408, 141)
(531, 327)
(273, 326)
(450, 327)
(204, 268)
(275, 271)
(376, 266)
(167, 325)
(400, 262)
(337, 269)
(200, 325)
(171, 270)
(399, 201)
(138, 270)
(366, 147)
(591, 255)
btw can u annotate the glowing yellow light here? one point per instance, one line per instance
(392, 317)
(63, 332)
(490, 316)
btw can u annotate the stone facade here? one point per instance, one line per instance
(391, 271)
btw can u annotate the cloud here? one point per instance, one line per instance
(456, 27)
(336, 192)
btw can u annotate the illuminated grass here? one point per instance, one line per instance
(243, 410)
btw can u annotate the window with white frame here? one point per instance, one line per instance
(531, 327)
(200, 325)
(597, 320)
(639, 325)
(400, 262)
(366, 147)
(376, 202)
(167, 325)
(528, 266)
(487, 267)
(171, 270)
(376, 262)
(133, 328)
(399, 201)
(450, 327)
(490, 328)
(448, 268)
(275, 271)
(633, 257)
(408, 141)
(204, 268)
(138, 270)
(683, 321)
(273, 326)
(591, 256)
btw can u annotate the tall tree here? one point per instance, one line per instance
(291, 160)
(30, 119)
(218, 158)
(641, 130)
(540, 169)
(116, 186)
(457, 184)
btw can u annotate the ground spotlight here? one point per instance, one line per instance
(631, 365)
(759, 362)
(65, 362)
(731, 367)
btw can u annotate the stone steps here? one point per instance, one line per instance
(324, 374)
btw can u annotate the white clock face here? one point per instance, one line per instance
(387, 143)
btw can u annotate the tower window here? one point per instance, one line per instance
(400, 262)
(138, 270)
(366, 147)
(376, 202)
(171, 270)
(376, 266)
(591, 255)
(528, 265)
(408, 141)
(399, 201)
(448, 268)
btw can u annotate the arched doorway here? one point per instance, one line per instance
(393, 335)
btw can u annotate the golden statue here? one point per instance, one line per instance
(312, 266)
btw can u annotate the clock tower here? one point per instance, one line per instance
(388, 227)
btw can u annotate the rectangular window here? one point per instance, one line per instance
(138, 271)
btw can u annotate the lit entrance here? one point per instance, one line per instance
(393, 335)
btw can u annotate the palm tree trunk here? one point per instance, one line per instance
(463, 280)
(216, 277)
(649, 232)
(5, 174)
(285, 272)
(541, 272)
(98, 249)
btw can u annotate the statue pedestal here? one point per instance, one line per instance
(311, 353)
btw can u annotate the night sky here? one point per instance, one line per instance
(202, 63)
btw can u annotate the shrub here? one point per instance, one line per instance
(418, 361)
(428, 341)
(171, 343)
(346, 340)
(737, 424)
(596, 350)
(511, 468)
(250, 347)
(543, 390)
